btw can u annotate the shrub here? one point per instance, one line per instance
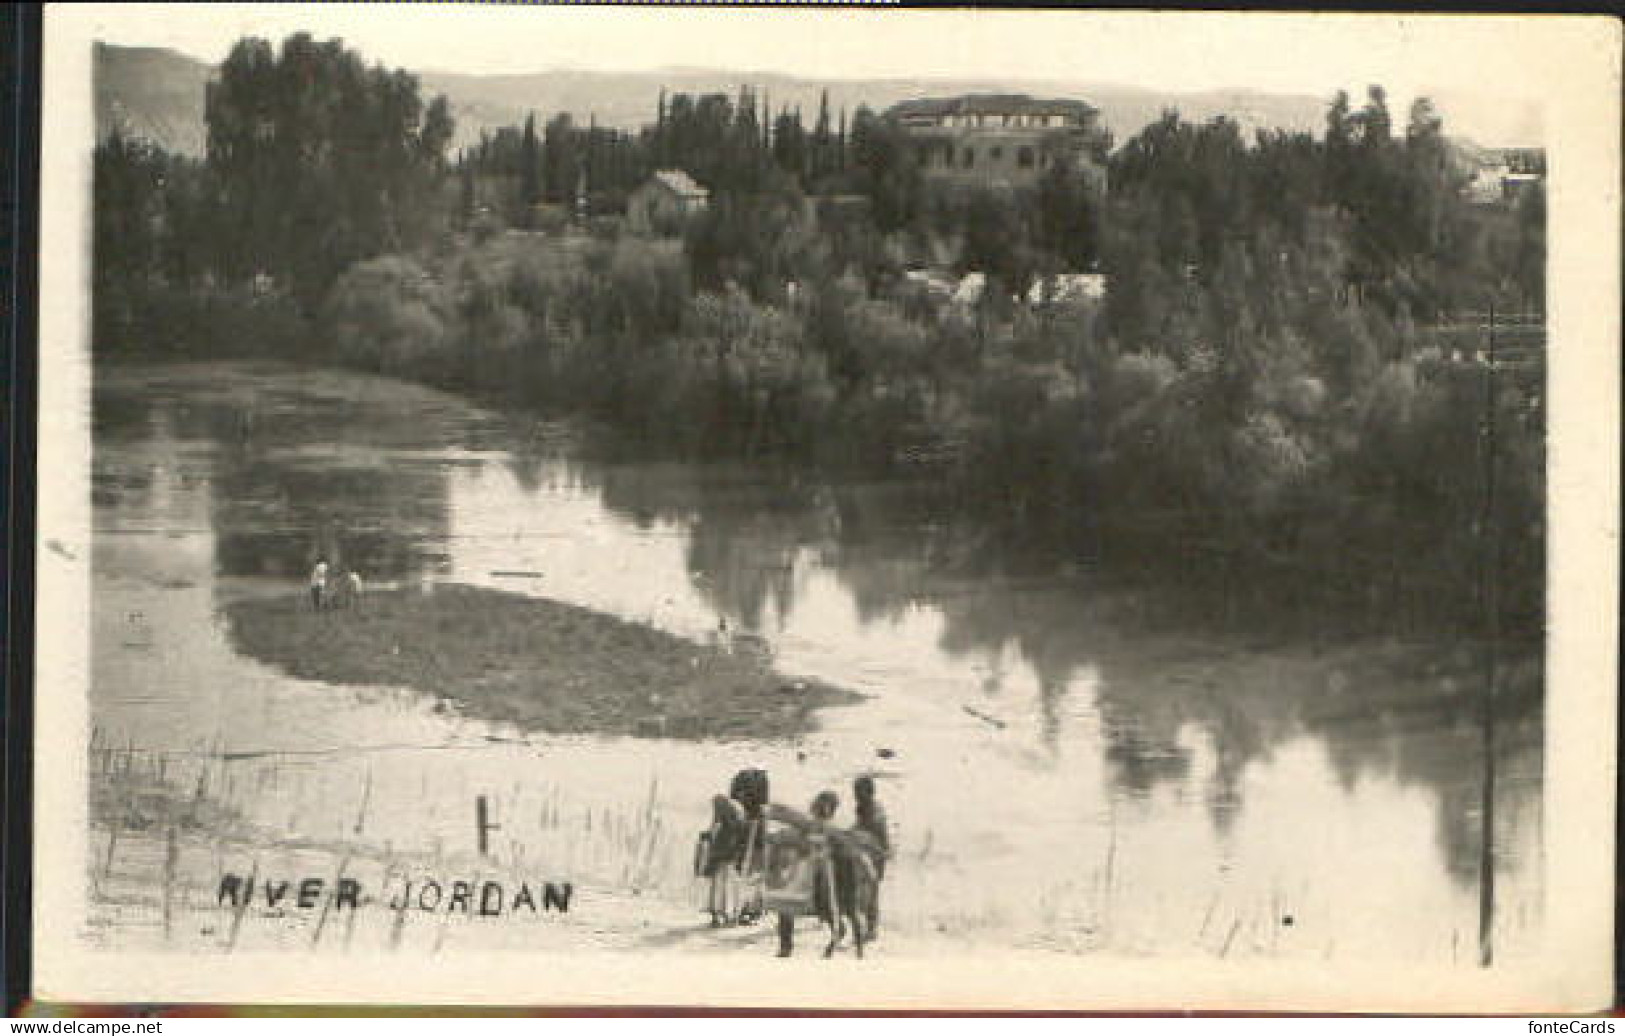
(390, 315)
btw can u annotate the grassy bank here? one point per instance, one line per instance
(536, 663)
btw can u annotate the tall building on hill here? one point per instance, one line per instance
(1011, 139)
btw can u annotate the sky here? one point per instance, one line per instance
(1490, 59)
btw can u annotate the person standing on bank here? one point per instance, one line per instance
(318, 584)
(870, 815)
(871, 820)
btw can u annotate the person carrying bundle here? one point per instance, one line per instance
(731, 851)
(721, 850)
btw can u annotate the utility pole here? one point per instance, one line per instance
(1491, 599)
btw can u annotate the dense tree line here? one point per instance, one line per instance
(734, 146)
(320, 161)
(560, 164)
(1267, 388)
(315, 161)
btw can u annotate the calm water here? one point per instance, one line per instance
(1057, 780)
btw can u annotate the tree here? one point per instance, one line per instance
(885, 169)
(320, 161)
(389, 315)
(997, 243)
(465, 195)
(790, 144)
(759, 241)
(530, 170)
(129, 176)
(1376, 126)
(561, 159)
(823, 141)
(1339, 143)
(1067, 217)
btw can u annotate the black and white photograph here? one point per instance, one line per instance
(797, 508)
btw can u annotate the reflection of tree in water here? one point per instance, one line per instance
(117, 416)
(748, 527)
(1445, 753)
(296, 474)
(896, 545)
(1236, 742)
(743, 537)
(1139, 764)
(890, 546)
(741, 584)
(544, 465)
(893, 547)
(139, 464)
(1152, 688)
(992, 618)
(274, 518)
(527, 468)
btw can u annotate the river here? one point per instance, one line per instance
(1058, 778)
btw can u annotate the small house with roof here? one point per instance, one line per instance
(663, 204)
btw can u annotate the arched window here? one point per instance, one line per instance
(1024, 158)
(968, 159)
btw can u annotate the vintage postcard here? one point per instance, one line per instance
(809, 508)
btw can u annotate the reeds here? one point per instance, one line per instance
(156, 815)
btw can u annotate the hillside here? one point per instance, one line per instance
(152, 93)
(628, 100)
(158, 94)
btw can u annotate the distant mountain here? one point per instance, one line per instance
(629, 99)
(158, 94)
(152, 93)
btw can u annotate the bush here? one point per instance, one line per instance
(392, 316)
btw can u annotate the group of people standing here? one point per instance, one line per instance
(853, 860)
(846, 883)
(329, 589)
(868, 819)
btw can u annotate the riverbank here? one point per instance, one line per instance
(1135, 742)
(537, 663)
(173, 867)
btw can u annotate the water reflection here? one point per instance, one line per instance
(298, 473)
(892, 549)
(1135, 777)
